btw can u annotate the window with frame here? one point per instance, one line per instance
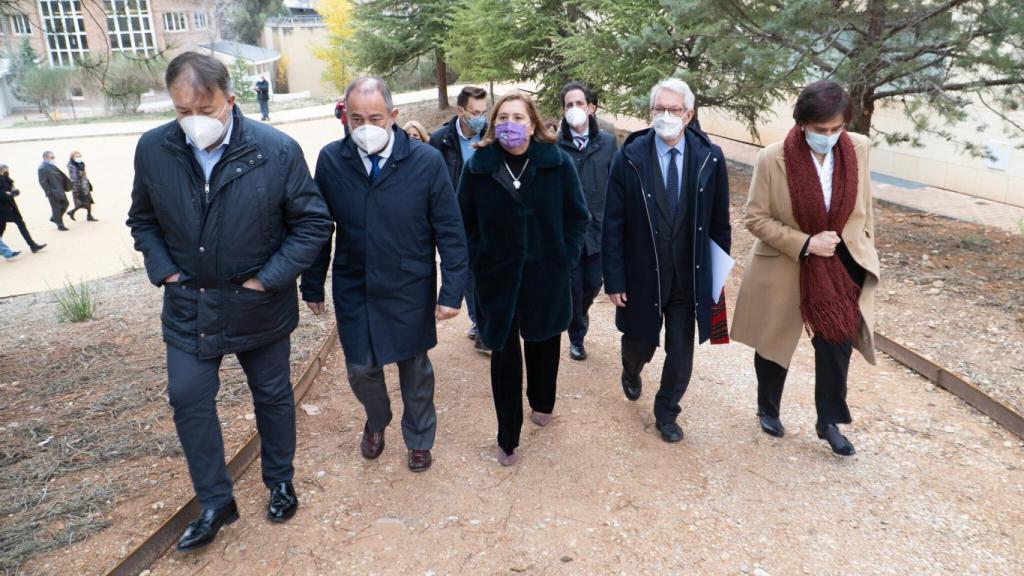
(200, 21)
(63, 23)
(20, 25)
(175, 22)
(130, 27)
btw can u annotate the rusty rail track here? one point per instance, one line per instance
(147, 552)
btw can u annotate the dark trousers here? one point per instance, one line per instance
(192, 386)
(680, 325)
(416, 378)
(507, 382)
(20, 222)
(831, 366)
(470, 297)
(58, 205)
(585, 280)
(264, 109)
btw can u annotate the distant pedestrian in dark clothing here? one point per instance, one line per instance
(263, 97)
(9, 209)
(81, 187)
(55, 185)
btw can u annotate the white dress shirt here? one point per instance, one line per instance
(825, 177)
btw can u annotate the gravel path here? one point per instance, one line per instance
(935, 487)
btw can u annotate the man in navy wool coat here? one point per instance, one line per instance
(394, 205)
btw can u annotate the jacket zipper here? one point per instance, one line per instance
(650, 226)
(696, 219)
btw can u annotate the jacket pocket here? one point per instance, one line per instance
(181, 307)
(251, 312)
(420, 268)
(763, 249)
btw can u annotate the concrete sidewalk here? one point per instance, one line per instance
(89, 130)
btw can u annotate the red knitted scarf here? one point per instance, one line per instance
(828, 297)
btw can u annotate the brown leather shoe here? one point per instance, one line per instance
(420, 460)
(372, 444)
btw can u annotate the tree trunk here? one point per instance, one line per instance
(862, 107)
(442, 79)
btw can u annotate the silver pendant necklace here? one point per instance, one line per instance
(515, 179)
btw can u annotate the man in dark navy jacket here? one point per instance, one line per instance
(226, 217)
(668, 199)
(394, 206)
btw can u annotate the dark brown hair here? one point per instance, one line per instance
(588, 94)
(820, 101)
(470, 92)
(540, 132)
(208, 73)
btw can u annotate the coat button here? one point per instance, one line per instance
(648, 195)
(202, 290)
(701, 190)
(259, 156)
(251, 162)
(202, 334)
(238, 169)
(699, 228)
(201, 249)
(698, 266)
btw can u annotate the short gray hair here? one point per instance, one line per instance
(369, 85)
(47, 154)
(677, 86)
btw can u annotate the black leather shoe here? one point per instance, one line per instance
(71, 215)
(839, 443)
(632, 389)
(577, 352)
(37, 247)
(372, 443)
(283, 502)
(202, 530)
(670, 431)
(420, 460)
(771, 425)
(62, 228)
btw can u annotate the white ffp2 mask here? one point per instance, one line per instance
(203, 131)
(370, 139)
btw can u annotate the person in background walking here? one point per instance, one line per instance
(456, 139)
(262, 88)
(227, 217)
(814, 265)
(525, 224)
(81, 186)
(417, 132)
(55, 185)
(9, 209)
(395, 209)
(592, 150)
(6, 251)
(667, 202)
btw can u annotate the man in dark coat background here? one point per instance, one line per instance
(455, 139)
(592, 150)
(227, 217)
(394, 205)
(9, 209)
(262, 88)
(56, 185)
(668, 199)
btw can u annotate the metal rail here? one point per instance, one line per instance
(143, 556)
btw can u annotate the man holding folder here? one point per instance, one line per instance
(667, 208)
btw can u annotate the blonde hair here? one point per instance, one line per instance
(424, 137)
(540, 132)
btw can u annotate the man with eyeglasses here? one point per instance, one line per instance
(455, 140)
(667, 201)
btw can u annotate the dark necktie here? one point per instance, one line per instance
(581, 141)
(672, 186)
(374, 167)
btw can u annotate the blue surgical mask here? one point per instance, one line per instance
(477, 124)
(821, 143)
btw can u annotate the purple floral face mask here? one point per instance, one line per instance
(511, 135)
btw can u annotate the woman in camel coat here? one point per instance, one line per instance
(813, 266)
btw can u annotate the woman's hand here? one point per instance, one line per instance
(823, 244)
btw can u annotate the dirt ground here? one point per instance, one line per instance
(935, 488)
